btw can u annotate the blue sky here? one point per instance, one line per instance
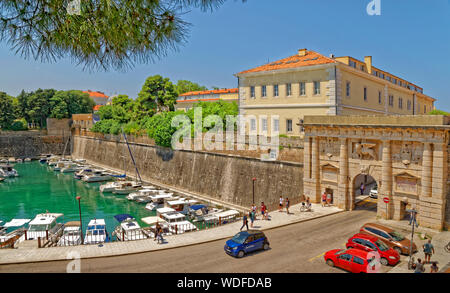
(411, 39)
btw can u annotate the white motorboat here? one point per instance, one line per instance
(70, 168)
(181, 205)
(19, 160)
(42, 223)
(224, 217)
(198, 212)
(11, 160)
(71, 235)
(128, 229)
(96, 232)
(17, 235)
(109, 187)
(59, 166)
(97, 176)
(8, 171)
(152, 222)
(127, 188)
(84, 171)
(142, 193)
(178, 223)
(27, 160)
(157, 201)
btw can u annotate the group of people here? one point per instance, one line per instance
(326, 199)
(159, 233)
(282, 202)
(252, 215)
(428, 250)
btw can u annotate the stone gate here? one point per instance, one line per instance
(407, 156)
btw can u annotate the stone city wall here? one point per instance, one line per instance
(221, 176)
(29, 144)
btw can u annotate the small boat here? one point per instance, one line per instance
(128, 228)
(71, 235)
(223, 217)
(42, 223)
(27, 160)
(152, 221)
(127, 188)
(17, 235)
(109, 187)
(198, 212)
(181, 205)
(178, 223)
(19, 161)
(70, 168)
(59, 166)
(157, 201)
(96, 232)
(8, 171)
(142, 193)
(11, 160)
(80, 161)
(162, 211)
(84, 171)
(44, 158)
(4, 161)
(97, 176)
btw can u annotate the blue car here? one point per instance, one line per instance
(245, 242)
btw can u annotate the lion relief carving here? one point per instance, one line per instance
(365, 150)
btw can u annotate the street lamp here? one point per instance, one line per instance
(253, 179)
(81, 224)
(413, 213)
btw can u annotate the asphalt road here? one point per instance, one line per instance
(296, 248)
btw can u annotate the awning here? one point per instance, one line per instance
(122, 217)
(152, 220)
(197, 207)
(16, 223)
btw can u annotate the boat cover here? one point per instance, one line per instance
(17, 222)
(122, 217)
(120, 176)
(197, 207)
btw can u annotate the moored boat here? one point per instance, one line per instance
(96, 232)
(45, 225)
(71, 235)
(128, 228)
(97, 176)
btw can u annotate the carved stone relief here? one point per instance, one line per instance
(365, 150)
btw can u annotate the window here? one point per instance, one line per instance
(347, 89)
(302, 89)
(408, 104)
(317, 87)
(357, 241)
(370, 245)
(382, 75)
(288, 89)
(264, 124)
(379, 97)
(425, 109)
(252, 92)
(391, 101)
(400, 103)
(388, 78)
(276, 125)
(289, 125)
(352, 63)
(347, 257)
(275, 90)
(263, 91)
(358, 260)
(253, 124)
(362, 68)
(394, 81)
(375, 73)
(365, 94)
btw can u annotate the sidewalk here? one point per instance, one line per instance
(277, 219)
(438, 239)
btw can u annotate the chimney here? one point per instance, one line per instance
(368, 61)
(302, 52)
(332, 56)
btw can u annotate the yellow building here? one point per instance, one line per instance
(279, 94)
(188, 100)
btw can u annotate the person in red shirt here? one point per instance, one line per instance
(263, 210)
(324, 199)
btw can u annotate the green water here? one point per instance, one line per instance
(39, 189)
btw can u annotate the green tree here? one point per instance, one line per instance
(122, 108)
(184, 86)
(105, 112)
(65, 103)
(102, 34)
(438, 112)
(38, 106)
(7, 114)
(157, 94)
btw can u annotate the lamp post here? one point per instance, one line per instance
(81, 224)
(413, 213)
(253, 179)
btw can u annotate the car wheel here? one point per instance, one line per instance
(398, 249)
(266, 246)
(330, 263)
(240, 254)
(384, 261)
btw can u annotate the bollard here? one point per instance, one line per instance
(220, 221)
(176, 229)
(39, 242)
(46, 234)
(26, 236)
(123, 235)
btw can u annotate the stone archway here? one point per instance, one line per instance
(408, 157)
(364, 201)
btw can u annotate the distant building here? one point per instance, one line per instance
(309, 83)
(188, 100)
(83, 121)
(99, 98)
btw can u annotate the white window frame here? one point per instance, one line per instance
(317, 88)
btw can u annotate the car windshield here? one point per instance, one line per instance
(381, 245)
(397, 236)
(239, 238)
(340, 251)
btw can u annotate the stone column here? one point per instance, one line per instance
(343, 196)
(315, 168)
(386, 180)
(307, 158)
(436, 204)
(427, 167)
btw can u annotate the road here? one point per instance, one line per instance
(296, 248)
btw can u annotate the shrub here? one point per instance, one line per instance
(19, 124)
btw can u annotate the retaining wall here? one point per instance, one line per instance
(28, 144)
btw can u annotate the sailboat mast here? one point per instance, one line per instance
(131, 154)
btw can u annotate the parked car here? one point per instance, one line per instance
(388, 256)
(374, 192)
(389, 236)
(352, 260)
(245, 242)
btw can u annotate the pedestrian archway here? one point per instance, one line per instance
(365, 192)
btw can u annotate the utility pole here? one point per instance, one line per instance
(81, 224)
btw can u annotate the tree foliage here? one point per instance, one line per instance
(439, 112)
(103, 34)
(184, 86)
(157, 94)
(6, 111)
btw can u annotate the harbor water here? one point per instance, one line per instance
(39, 189)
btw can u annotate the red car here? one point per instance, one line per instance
(368, 243)
(352, 260)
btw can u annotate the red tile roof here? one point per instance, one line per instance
(96, 94)
(209, 92)
(97, 107)
(311, 58)
(197, 100)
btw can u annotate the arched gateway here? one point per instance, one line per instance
(407, 156)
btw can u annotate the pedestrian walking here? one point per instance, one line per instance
(412, 219)
(160, 237)
(287, 205)
(428, 250)
(434, 268)
(280, 208)
(324, 199)
(263, 210)
(252, 218)
(419, 267)
(328, 199)
(156, 231)
(254, 209)
(361, 188)
(244, 221)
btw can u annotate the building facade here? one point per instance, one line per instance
(276, 96)
(188, 100)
